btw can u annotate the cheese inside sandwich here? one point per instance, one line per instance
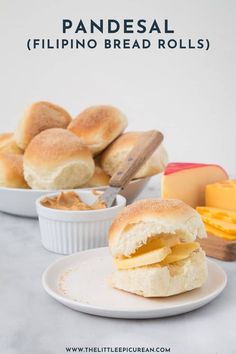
(154, 248)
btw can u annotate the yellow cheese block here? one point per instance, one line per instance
(143, 259)
(216, 232)
(221, 195)
(187, 181)
(179, 252)
(158, 242)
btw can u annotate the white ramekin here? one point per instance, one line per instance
(66, 232)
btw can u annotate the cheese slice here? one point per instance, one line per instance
(158, 242)
(179, 252)
(219, 222)
(159, 257)
(221, 195)
(225, 226)
(187, 181)
(216, 232)
(218, 213)
(144, 259)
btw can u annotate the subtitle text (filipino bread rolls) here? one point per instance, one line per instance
(37, 117)
(57, 159)
(154, 248)
(113, 156)
(98, 126)
(11, 171)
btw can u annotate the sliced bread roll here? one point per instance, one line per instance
(154, 246)
(152, 281)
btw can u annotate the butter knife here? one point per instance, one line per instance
(144, 148)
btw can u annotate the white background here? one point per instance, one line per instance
(189, 95)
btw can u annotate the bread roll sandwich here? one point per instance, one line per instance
(57, 159)
(8, 144)
(112, 157)
(11, 171)
(40, 116)
(99, 178)
(154, 246)
(98, 126)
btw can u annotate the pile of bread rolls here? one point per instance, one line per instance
(50, 150)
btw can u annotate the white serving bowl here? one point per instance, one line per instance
(66, 231)
(21, 202)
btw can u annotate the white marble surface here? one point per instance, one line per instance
(33, 323)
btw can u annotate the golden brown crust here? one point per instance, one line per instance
(123, 142)
(99, 178)
(8, 144)
(5, 137)
(11, 171)
(98, 126)
(53, 146)
(113, 156)
(38, 117)
(148, 209)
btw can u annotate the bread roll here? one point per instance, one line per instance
(176, 278)
(99, 179)
(143, 266)
(98, 126)
(112, 157)
(57, 159)
(40, 116)
(11, 171)
(145, 218)
(8, 144)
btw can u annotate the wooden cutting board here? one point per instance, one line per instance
(219, 248)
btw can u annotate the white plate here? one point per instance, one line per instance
(22, 201)
(81, 282)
